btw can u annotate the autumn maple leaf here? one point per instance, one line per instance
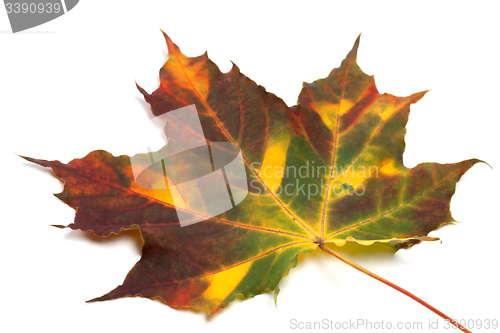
(328, 170)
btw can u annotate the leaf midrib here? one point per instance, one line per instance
(421, 195)
(327, 194)
(219, 271)
(166, 204)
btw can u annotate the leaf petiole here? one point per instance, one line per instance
(390, 284)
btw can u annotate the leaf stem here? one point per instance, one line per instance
(390, 284)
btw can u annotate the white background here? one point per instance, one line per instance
(68, 87)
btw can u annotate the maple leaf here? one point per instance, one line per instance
(328, 170)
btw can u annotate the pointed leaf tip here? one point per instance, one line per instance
(141, 90)
(276, 293)
(172, 47)
(234, 67)
(60, 226)
(354, 51)
(414, 98)
(475, 160)
(358, 39)
(34, 160)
